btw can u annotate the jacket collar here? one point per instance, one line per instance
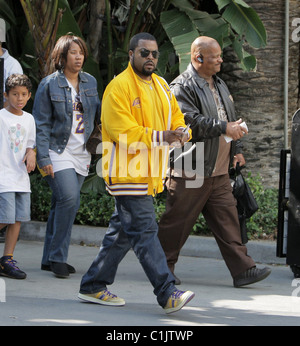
(164, 94)
(200, 81)
(5, 54)
(62, 80)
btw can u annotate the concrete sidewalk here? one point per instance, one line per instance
(44, 300)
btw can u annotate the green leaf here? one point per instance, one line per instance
(69, 25)
(6, 13)
(171, 20)
(181, 35)
(249, 63)
(93, 183)
(242, 3)
(183, 4)
(164, 52)
(245, 21)
(238, 20)
(223, 3)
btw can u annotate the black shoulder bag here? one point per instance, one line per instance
(246, 203)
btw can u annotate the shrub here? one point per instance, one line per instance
(96, 209)
(263, 224)
(40, 198)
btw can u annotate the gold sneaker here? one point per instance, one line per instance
(103, 297)
(177, 300)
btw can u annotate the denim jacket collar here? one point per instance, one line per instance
(62, 80)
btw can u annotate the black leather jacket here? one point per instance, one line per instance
(198, 106)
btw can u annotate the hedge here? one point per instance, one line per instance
(96, 209)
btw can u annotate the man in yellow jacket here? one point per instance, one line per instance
(140, 119)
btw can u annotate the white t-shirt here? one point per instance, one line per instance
(17, 133)
(75, 155)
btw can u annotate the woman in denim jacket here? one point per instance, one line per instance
(65, 107)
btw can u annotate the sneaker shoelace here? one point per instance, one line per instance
(177, 294)
(106, 292)
(11, 262)
(251, 272)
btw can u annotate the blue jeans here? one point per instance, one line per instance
(132, 225)
(65, 202)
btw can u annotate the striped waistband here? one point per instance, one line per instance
(127, 189)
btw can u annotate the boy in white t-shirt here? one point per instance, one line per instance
(17, 142)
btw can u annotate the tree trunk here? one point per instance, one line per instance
(97, 11)
(259, 95)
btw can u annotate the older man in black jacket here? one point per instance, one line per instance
(208, 107)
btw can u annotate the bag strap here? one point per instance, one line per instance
(98, 115)
(98, 125)
(238, 168)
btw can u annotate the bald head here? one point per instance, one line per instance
(202, 44)
(206, 56)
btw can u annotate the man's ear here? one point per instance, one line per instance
(130, 54)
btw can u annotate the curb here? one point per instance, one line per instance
(196, 246)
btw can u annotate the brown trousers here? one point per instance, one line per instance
(215, 200)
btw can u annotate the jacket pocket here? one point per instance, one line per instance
(58, 98)
(91, 92)
(59, 103)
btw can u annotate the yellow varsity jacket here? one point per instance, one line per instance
(134, 154)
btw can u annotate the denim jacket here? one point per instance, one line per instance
(53, 112)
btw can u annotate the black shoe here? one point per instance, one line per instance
(60, 269)
(296, 270)
(251, 276)
(47, 267)
(9, 268)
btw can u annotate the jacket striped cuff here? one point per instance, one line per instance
(158, 138)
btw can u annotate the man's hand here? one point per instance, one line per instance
(186, 135)
(174, 138)
(235, 131)
(239, 158)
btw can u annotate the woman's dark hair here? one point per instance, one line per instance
(15, 80)
(62, 46)
(134, 42)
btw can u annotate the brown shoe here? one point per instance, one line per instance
(177, 280)
(250, 276)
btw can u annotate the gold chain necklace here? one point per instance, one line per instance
(147, 83)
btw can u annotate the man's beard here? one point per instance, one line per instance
(143, 72)
(147, 73)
